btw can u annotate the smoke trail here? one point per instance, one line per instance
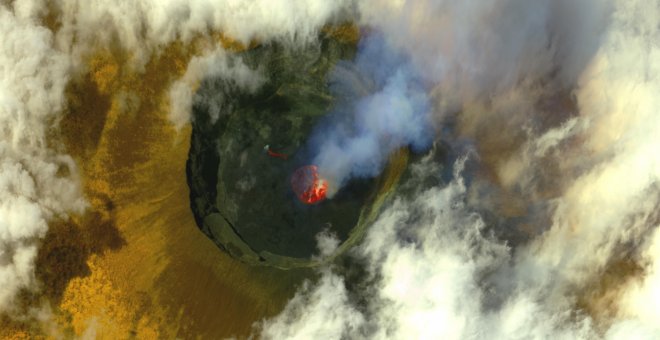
(357, 140)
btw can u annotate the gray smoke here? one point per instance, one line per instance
(393, 111)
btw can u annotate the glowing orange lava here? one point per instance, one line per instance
(308, 185)
(272, 153)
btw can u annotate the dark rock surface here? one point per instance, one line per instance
(241, 197)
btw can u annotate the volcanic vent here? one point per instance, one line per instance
(265, 204)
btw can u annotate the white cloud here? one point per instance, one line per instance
(215, 63)
(434, 270)
(319, 312)
(33, 185)
(640, 299)
(327, 242)
(144, 27)
(430, 264)
(38, 183)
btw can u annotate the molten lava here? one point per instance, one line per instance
(308, 185)
(272, 153)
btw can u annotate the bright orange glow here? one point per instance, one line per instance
(272, 153)
(308, 185)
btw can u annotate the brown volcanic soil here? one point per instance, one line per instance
(136, 265)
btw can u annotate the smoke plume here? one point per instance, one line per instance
(386, 107)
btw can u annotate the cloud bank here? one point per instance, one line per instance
(37, 183)
(550, 113)
(45, 45)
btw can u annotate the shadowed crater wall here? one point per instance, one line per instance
(241, 197)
